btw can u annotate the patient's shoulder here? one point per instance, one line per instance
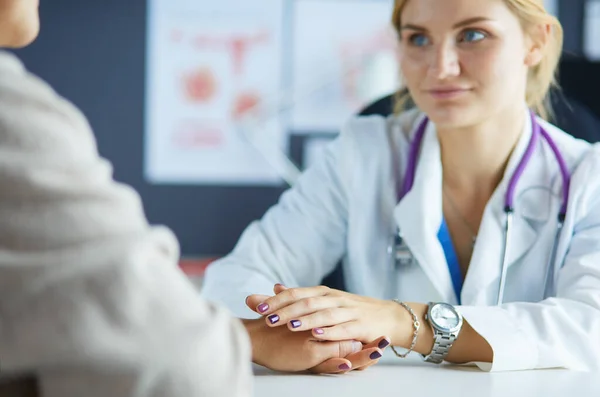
(34, 117)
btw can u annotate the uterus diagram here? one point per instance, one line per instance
(200, 83)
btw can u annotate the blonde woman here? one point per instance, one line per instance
(91, 300)
(469, 227)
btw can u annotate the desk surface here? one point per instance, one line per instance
(415, 378)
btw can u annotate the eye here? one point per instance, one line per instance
(472, 36)
(418, 40)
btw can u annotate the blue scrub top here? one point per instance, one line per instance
(451, 258)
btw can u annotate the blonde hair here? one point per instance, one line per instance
(541, 78)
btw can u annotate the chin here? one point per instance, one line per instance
(28, 40)
(27, 37)
(451, 116)
(20, 36)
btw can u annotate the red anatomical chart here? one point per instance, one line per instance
(210, 66)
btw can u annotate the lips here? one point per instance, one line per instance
(447, 92)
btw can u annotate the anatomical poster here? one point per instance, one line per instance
(210, 65)
(344, 58)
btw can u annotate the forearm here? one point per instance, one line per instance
(468, 347)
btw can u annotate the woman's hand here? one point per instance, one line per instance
(333, 315)
(279, 349)
(282, 350)
(336, 316)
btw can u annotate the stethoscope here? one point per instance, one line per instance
(398, 249)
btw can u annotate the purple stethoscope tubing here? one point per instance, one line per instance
(537, 132)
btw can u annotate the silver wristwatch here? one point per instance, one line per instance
(446, 323)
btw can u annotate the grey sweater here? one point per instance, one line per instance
(91, 298)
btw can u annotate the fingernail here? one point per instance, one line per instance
(319, 331)
(296, 323)
(273, 318)
(375, 355)
(356, 346)
(383, 344)
(263, 307)
(344, 367)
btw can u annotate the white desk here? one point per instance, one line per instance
(399, 378)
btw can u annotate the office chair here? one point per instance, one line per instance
(19, 386)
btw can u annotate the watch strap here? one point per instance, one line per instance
(441, 346)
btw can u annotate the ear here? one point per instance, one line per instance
(539, 38)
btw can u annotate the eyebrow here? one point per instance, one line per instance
(456, 26)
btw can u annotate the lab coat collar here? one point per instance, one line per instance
(419, 216)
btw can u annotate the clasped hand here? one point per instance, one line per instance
(327, 323)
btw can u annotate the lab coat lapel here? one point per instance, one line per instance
(486, 261)
(419, 215)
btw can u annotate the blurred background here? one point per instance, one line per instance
(210, 109)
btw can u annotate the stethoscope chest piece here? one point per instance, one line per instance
(399, 251)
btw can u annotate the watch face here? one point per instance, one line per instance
(444, 316)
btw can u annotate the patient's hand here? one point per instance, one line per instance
(280, 349)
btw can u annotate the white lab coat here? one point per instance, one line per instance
(344, 207)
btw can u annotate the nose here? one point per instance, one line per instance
(444, 62)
